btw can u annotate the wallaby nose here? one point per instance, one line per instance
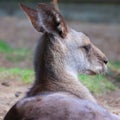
(105, 60)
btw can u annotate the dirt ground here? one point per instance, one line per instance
(20, 34)
(9, 94)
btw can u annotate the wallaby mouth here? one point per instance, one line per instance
(101, 70)
(91, 72)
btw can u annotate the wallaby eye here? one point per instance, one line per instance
(87, 48)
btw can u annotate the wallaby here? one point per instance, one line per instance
(61, 54)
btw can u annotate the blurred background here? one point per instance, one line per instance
(98, 19)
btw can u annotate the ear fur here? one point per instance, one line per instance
(51, 20)
(33, 16)
(46, 18)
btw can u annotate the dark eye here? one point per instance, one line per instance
(87, 48)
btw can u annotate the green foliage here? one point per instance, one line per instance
(4, 47)
(17, 55)
(13, 54)
(26, 75)
(115, 64)
(97, 84)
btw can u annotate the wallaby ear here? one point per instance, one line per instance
(51, 20)
(33, 16)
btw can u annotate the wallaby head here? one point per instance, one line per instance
(82, 55)
(79, 54)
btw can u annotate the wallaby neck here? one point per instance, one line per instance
(51, 74)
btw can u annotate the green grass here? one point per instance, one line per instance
(115, 64)
(13, 54)
(4, 47)
(97, 84)
(25, 75)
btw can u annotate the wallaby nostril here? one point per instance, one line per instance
(106, 61)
